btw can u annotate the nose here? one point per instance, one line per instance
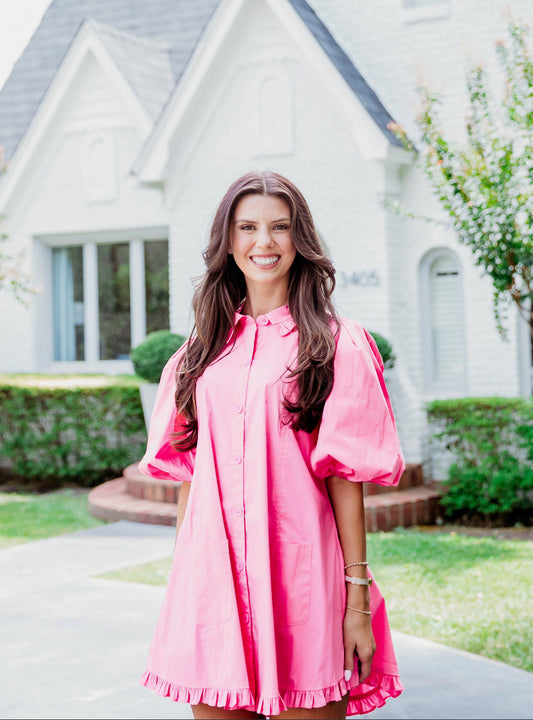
(263, 237)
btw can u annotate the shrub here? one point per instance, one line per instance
(52, 436)
(150, 356)
(491, 440)
(385, 350)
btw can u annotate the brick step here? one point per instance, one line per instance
(414, 506)
(413, 476)
(146, 488)
(111, 501)
(402, 508)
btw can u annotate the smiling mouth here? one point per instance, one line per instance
(265, 261)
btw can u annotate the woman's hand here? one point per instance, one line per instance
(358, 639)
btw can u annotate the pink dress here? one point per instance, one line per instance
(253, 613)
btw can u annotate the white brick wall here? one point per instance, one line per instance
(59, 200)
(329, 169)
(391, 52)
(220, 139)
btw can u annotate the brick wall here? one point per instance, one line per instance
(263, 106)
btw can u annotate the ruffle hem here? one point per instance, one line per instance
(368, 696)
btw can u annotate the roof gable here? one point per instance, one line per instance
(171, 33)
(332, 67)
(176, 23)
(93, 43)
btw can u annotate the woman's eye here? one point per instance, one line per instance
(281, 227)
(247, 227)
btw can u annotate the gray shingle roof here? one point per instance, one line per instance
(145, 64)
(166, 31)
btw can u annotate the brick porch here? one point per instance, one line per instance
(136, 497)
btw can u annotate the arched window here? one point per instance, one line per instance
(443, 321)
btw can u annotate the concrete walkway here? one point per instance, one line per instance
(73, 645)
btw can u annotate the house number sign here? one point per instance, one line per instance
(359, 278)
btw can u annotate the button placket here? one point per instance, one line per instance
(237, 516)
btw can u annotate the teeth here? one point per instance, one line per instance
(265, 261)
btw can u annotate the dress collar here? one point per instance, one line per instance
(281, 317)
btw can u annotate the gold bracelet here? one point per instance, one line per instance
(357, 563)
(365, 612)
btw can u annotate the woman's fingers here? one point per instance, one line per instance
(365, 655)
(359, 646)
(349, 650)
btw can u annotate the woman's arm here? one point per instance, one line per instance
(182, 504)
(349, 510)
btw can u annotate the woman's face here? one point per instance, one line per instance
(261, 243)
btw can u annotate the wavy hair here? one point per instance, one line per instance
(222, 289)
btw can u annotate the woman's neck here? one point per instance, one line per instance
(262, 303)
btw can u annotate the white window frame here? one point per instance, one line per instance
(44, 321)
(432, 387)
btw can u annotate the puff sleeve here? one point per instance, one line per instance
(161, 460)
(357, 438)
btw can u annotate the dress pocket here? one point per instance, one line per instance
(290, 566)
(203, 581)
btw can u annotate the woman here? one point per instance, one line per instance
(280, 413)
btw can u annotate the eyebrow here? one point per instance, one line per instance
(242, 220)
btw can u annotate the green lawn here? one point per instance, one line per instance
(70, 380)
(31, 516)
(470, 593)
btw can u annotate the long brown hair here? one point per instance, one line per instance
(223, 288)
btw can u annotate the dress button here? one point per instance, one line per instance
(263, 320)
(238, 512)
(247, 362)
(239, 408)
(246, 618)
(240, 565)
(237, 459)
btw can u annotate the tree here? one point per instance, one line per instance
(485, 185)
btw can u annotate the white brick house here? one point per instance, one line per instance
(124, 123)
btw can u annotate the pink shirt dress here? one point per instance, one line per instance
(253, 613)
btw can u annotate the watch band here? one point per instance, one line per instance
(358, 581)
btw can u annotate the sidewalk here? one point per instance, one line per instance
(74, 646)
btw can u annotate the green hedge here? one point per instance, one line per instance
(54, 435)
(491, 440)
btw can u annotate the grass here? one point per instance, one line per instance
(31, 516)
(151, 573)
(471, 593)
(468, 592)
(69, 380)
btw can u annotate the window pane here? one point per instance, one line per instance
(156, 284)
(114, 301)
(68, 310)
